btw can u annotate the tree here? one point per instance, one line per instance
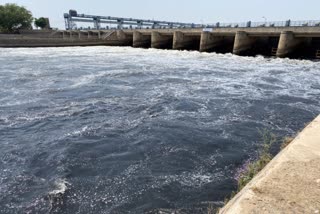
(41, 22)
(14, 17)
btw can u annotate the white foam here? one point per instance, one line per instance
(61, 186)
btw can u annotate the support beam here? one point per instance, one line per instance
(289, 44)
(161, 41)
(182, 41)
(214, 43)
(242, 43)
(140, 40)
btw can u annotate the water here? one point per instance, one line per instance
(119, 130)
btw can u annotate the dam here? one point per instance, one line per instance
(245, 41)
(293, 39)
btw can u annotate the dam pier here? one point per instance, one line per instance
(272, 41)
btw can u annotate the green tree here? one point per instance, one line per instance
(14, 17)
(41, 22)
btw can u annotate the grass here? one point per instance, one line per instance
(251, 168)
(254, 167)
(286, 142)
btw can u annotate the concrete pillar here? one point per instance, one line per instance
(161, 41)
(242, 43)
(178, 40)
(124, 39)
(288, 44)
(140, 40)
(182, 41)
(210, 42)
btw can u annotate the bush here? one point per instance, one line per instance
(41, 23)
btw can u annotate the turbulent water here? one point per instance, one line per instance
(119, 130)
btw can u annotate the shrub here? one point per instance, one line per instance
(41, 22)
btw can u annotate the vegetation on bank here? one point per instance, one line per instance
(41, 23)
(251, 168)
(14, 17)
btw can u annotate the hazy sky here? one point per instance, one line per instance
(198, 11)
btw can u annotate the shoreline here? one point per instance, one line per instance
(289, 182)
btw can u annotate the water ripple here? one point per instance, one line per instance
(119, 130)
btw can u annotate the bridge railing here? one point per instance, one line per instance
(288, 23)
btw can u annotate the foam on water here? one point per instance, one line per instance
(61, 187)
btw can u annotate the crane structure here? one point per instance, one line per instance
(73, 17)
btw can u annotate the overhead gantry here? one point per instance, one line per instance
(73, 17)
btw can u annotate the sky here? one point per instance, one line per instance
(196, 11)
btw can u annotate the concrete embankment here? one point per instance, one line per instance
(12, 41)
(290, 183)
(32, 42)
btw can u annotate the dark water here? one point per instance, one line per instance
(122, 130)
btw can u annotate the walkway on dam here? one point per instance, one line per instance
(290, 183)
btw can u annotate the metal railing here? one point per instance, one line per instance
(288, 23)
(73, 17)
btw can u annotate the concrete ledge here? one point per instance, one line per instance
(290, 183)
(28, 42)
